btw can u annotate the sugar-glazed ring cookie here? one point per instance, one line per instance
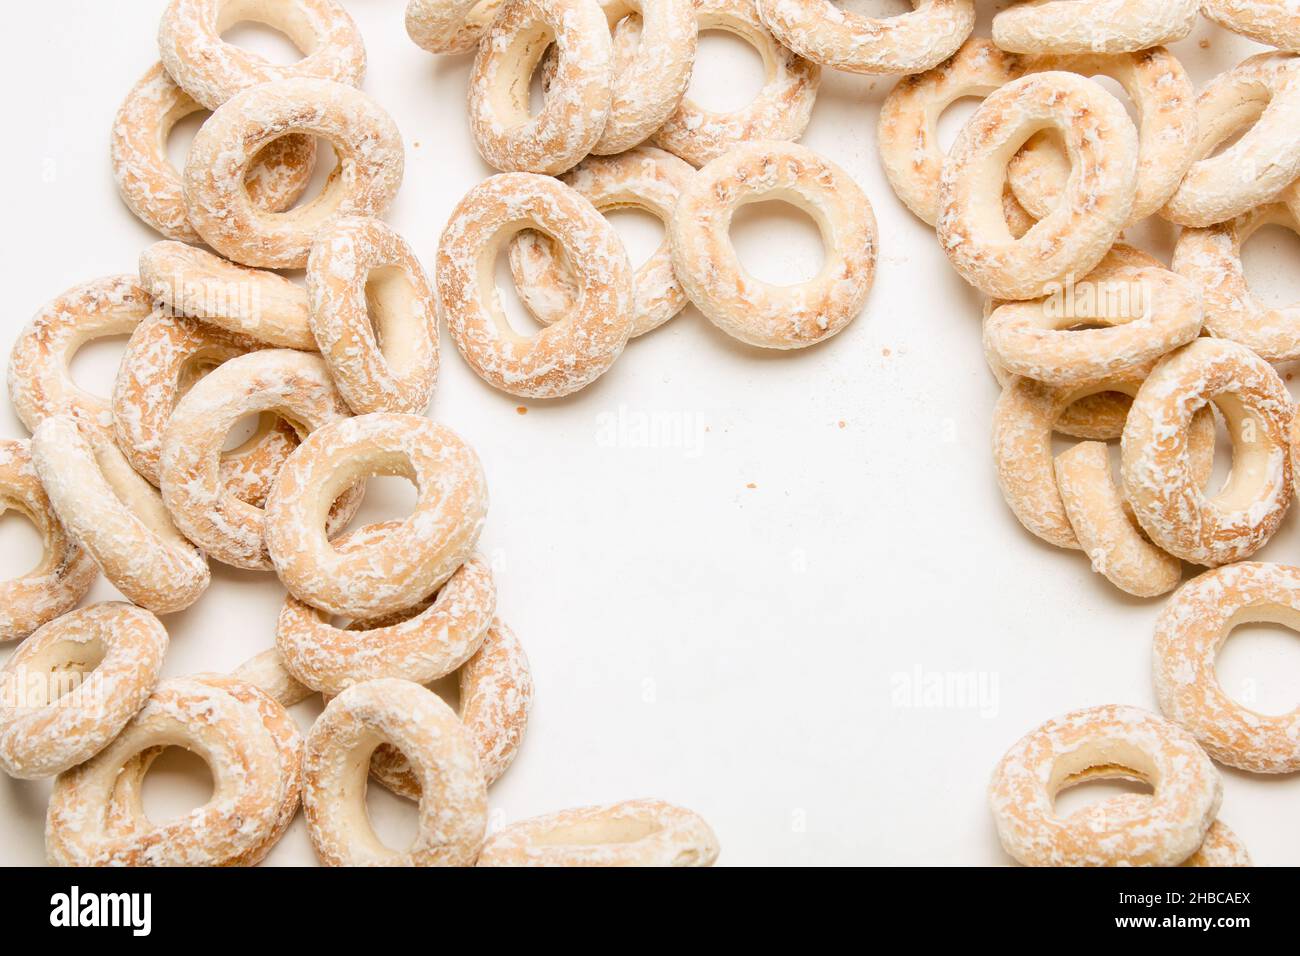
(1190, 632)
(1221, 847)
(430, 641)
(573, 115)
(1156, 469)
(1165, 101)
(117, 517)
(1260, 95)
(780, 111)
(1102, 144)
(65, 571)
(632, 833)
(1138, 311)
(212, 70)
(151, 186)
(913, 42)
(261, 305)
(449, 26)
(453, 798)
(40, 383)
(165, 357)
(296, 386)
(383, 574)
(642, 178)
(757, 312)
(1210, 259)
(1101, 743)
(266, 672)
(496, 694)
(73, 685)
(1271, 22)
(572, 352)
(369, 171)
(85, 825)
(1111, 26)
(373, 316)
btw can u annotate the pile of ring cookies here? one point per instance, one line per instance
(142, 488)
(1094, 339)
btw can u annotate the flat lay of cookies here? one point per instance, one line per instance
(651, 433)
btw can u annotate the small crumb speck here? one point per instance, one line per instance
(843, 424)
(751, 485)
(522, 409)
(1205, 44)
(886, 352)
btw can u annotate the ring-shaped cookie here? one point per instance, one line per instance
(453, 798)
(1134, 310)
(40, 383)
(117, 517)
(496, 694)
(643, 178)
(212, 70)
(396, 570)
(1111, 26)
(366, 142)
(84, 826)
(65, 571)
(757, 312)
(429, 642)
(912, 42)
(1221, 847)
(1156, 469)
(449, 26)
(151, 186)
(573, 116)
(261, 305)
(1270, 22)
(373, 316)
(1260, 95)
(780, 111)
(632, 833)
(1102, 144)
(1210, 259)
(573, 351)
(68, 690)
(1101, 743)
(294, 385)
(1189, 634)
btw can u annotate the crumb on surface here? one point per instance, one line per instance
(1205, 44)
(751, 485)
(522, 409)
(886, 352)
(843, 423)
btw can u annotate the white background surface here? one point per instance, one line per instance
(725, 622)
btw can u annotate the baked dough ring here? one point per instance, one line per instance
(411, 560)
(449, 26)
(373, 316)
(266, 672)
(913, 42)
(1100, 743)
(1260, 95)
(421, 645)
(261, 305)
(212, 70)
(1271, 22)
(1156, 471)
(65, 572)
(84, 825)
(40, 384)
(496, 694)
(1102, 143)
(571, 353)
(1221, 847)
(1210, 259)
(453, 801)
(117, 517)
(369, 171)
(780, 111)
(1104, 26)
(1142, 308)
(573, 117)
(631, 833)
(1189, 634)
(643, 178)
(73, 685)
(757, 312)
(296, 386)
(151, 186)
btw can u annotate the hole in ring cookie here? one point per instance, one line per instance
(800, 253)
(1258, 665)
(729, 74)
(177, 782)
